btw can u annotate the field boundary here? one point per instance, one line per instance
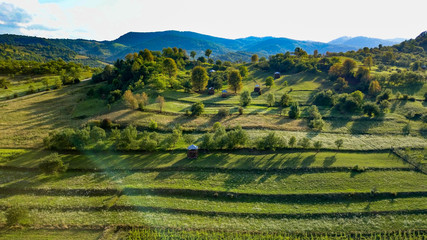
(235, 196)
(119, 208)
(301, 170)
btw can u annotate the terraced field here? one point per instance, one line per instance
(242, 191)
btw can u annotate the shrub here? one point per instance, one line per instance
(148, 142)
(318, 145)
(313, 112)
(271, 141)
(384, 105)
(386, 95)
(152, 125)
(324, 98)
(106, 123)
(236, 137)
(371, 109)
(269, 81)
(97, 133)
(304, 142)
(207, 141)
(294, 112)
(16, 214)
(240, 111)
(270, 99)
(407, 129)
(197, 109)
(100, 146)
(285, 100)
(15, 95)
(245, 98)
(223, 112)
(52, 164)
(317, 124)
(339, 143)
(292, 141)
(412, 99)
(425, 97)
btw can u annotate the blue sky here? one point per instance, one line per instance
(301, 19)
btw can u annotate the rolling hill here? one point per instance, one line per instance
(37, 49)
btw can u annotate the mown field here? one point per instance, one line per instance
(306, 192)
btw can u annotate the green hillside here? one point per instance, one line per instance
(296, 146)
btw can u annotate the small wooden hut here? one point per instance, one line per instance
(193, 152)
(257, 88)
(211, 91)
(276, 75)
(224, 93)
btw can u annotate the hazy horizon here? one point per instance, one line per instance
(300, 20)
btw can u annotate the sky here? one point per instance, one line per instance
(316, 20)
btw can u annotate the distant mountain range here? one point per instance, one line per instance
(222, 48)
(361, 42)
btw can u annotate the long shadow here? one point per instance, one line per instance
(308, 160)
(363, 125)
(329, 161)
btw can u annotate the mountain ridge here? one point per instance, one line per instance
(192, 41)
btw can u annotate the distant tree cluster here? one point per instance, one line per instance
(97, 138)
(70, 69)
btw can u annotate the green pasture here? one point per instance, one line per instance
(191, 221)
(152, 203)
(256, 183)
(240, 159)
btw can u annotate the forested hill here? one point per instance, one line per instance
(92, 52)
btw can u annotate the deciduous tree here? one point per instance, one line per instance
(374, 88)
(235, 80)
(170, 67)
(271, 100)
(245, 98)
(208, 52)
(269, 81)
(161, 101)
(199, 78)
(254, 58)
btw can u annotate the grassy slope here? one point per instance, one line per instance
(25, 121)
(235, 160)
(43, 234)
(259, 183)
(43, 112)
(362, 224)
(20, 84)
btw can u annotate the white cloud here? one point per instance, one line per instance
(302, 19)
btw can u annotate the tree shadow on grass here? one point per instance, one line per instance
(364, 124)
(308, 161)
(235, 180)
(329, 161)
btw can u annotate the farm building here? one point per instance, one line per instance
(224, 93)
(257, 88)
(276, 75)
(193, 152)
(211, 91)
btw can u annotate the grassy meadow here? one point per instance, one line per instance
(361, 188)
